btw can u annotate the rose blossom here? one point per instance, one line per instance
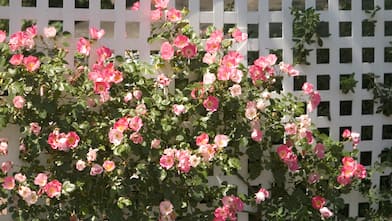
(181, 41)
(92, 155)
(3, 36)
(9, 183)
(31, 63)
(155, 143)
(96, 34)
(325, 212)
(174, 15)
(235, 90)
(109, 165)
(261, 195)
(167, 51)
(16, 59)
(3, 146)
(6, 166)
(178, 109)
(221, 140)
(165, 208)
(19, 102)
(96, 169)
(20, 177)
(318, 202)
(41, 179)
(50, 32)
(209, 78)
(156, 14)
(257, 135)
(53, 188)
(211, 104)
(80, 165)
(189, 51)
(35, 128)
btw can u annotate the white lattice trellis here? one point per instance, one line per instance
(269, 25)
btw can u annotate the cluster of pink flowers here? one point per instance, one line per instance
(289, 69)
(351, 168)
(314, 96)
(116, 133)
(172, 15)
(352, 136)
(183, 158)
(318, 203)
(96, 169)
(23, 39)
(231, 205)
(63, 141)
(238, 35)
(213, 44)
(288, 156)
(207, 150)
(301, 128)
(262, 195)
(31, 62)
(166, 210)
(262, 68)
(182, 44)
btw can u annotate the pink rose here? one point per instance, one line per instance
(181, 41)
(115, 136)
(155, 143)
(235, 90)
(53, 188)
(6, 166)
(174, 15)
(318, 202)
(238, 35)
(346, 133)
(189, 51)
(3, 36)
(165, 208)
(135, 123)
(156, 14)
(41, 179)
(262, 195)
(96, 169)
(16, 59)
(167, 51)
(325, 212)
(161, 4)
(319, 150)
(221, 140)
(35, 128)
(96, 34)
(211, 104)
(80, 165)
(50, 32)
(136, 138)
(313, 178)
(257, 135)
(137, 94)
(163, 81)
(135, 6)
(128, 97)
(109, 165)
(92, 155)
(202, 139)
(9, 183)
(84, 46)
(209, 78)
(209, 58)
(19, 102)
(20, 177)
(3, 146)
(166, 161)
(31, 63)
(178, 109)
(307, 88)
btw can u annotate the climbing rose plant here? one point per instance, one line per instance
(115, 138)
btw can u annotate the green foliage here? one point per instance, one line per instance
(348, 83)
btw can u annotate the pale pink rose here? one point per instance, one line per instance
(156, 143)
(360, 171)
(115, 136)
(103, 54)
(92, 155)
(307, 88)
(16, 59)
(161, 4)
(250, 110)
(84, 46)
(261, 104)
(9, 183)
(135, 123)
(137, 94)
(178, 109)
(355, 138)
(257, 135)
(19, 102)
(136, 138)
(165, 208)
(319, 150)
(3, 146)
(96, 169)
(288, 68)
(80, 165)
(22, 147)
(313, 178)
(128, 97)
(32, 31)
(183, 157)
(50, 32)
(189, 51)
(314, 101)
(174, 15)
(24, 191)
(209, 58)
(35, 128)
(31, 63)
(209, 78)
(6, 166)
(211, 104)
(166, 161)
(224, 73)
(221, 140)
(135, 6)
(96, 34)
(20, 178)
(235, 90)
(207, 151)
(238, 35)
(236, 76)
(156, 14)
(109, 165)
(141, 109)
(284, 152)
(194, 161)
(290, 128)
(325, 212)
(262, 195)
(41, 179)
(53, 188)
(32, 198)
(163, 81)
(167, 51)
(3, 36)
(181, 41)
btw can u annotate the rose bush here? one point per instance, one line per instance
(114, 138)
